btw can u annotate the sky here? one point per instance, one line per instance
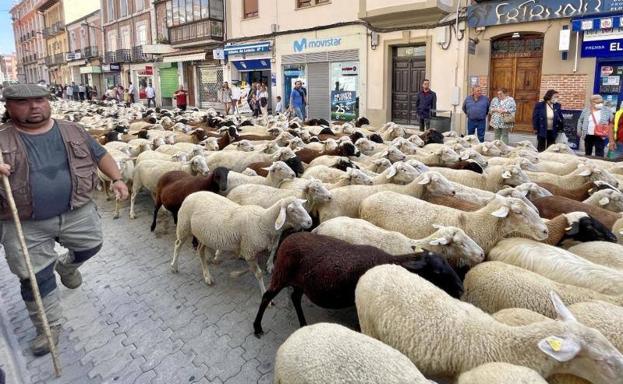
(7, 42)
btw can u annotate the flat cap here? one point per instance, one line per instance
(24, 91)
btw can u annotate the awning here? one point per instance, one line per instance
(252, 65)
(91, 69)
(192, 57)
(239, 49)
(597, 23)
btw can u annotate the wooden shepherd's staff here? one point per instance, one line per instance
(31, 275)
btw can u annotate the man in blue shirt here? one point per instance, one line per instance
(476, 108)
(298, 100)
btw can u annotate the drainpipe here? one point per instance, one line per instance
(455, 121)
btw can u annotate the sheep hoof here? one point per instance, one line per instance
(259, 333)
(108, 198)
(209, 281)
(270, 268)
(132, 216)
(173, 268)
(115, 216)
(237, 274)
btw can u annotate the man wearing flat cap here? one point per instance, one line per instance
(52, 168)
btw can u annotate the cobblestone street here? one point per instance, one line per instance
(133, 321)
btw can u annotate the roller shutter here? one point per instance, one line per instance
(318, 89)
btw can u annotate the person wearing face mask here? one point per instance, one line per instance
(547, 120)
(591, 124)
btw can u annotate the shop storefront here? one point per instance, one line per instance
(112, 75)
(92, 75)
(209, 82)
(329, 64)
(602, 39)
(250, 63)
(142, 75)
(168, 78)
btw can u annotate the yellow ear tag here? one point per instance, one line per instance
(555, 343)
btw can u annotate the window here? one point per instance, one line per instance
(189, 11)
(123, 8)
(309, 3)
(139, 4)
(182, 11)
(176, 13)
(169, 14)
(125, 38)
(250, 8)
(204, 9)
(216, 9)
(197, 9)
(112, 42)
(111, 9)
(141, 34)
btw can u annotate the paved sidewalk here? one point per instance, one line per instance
(133, 321)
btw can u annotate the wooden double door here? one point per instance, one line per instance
(408, 73)
(516, 66)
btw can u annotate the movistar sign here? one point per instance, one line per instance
(305, 44)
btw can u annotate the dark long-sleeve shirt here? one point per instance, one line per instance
(425, 102)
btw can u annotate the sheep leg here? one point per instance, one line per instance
(107, 190)
(204, 265)
(135, 189)
(156, 209)
(296, 297)
(176, 255)
(116, 215)
(237, 274)
(266, 300)
(257, 271)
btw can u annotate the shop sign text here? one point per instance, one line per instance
(487, 13)
(602, 48)
(306, 44)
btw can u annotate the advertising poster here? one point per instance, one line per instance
(610, 101)
(343, 105)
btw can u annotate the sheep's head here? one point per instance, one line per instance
(447, 155)
(405, 146)
(180, 156)
(506, 149)
(417, 140)
(401, 173)
(515, 216)
(523, 153)
(380, 165)
(418, 165)
(296, 143)
(454, 244)
(271, 147)
(365, 146)
(293, 213)
(513, 175)
(347, 149)
(488, 149)
(593, 173)
(560, 148)
(533, 191)
(610, 199)
(471, 139)
(198, 165)
(436, 183)
(470, 154)
(283, 154)
(316, 192)
(583, 228)
(157, 142)
(394, 154)
(450, 134)
(357, 177)
(279, 171)
(580, 350)
(521, 195)
(525, 164)
(527, 145)
(170, 139)
(244, 146)
(211, 144)
(436, 269)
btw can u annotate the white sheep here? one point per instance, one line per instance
(609, 199)
(352, 176)
(450, 242)
(126, 167)
(532, 190)
(470, 154)
(527, 144)
(494, 285)
(524, 164)
(558, 264)
(487, 149)
(278, 172)
(148, 172)
(247, 230)
(500, 373)
(493, 179)
(368, 147)
(582, 175)
(414, 218)
(420, 320)
(237, 161)
(397, 173)
(346, 200)
(155, 155)
(329, 353)
(600, 252)
(441, 156)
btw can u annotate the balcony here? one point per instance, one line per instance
(398, 13)
(200, 32)
(89, 52)
(110, 57)
(54, 29)
(123, 55)
(138, 56)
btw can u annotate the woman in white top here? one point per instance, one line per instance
(593, 114)
(226, 97)
(263, 96)
(502, 106)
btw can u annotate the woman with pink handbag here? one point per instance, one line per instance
(595, 126)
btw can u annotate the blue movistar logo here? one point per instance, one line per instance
(303, 44)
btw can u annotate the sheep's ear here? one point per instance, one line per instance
(281, 219)
(561, 309)
(485, 149)
(424, 179)
(464, 156)
(501, 212)
(384, 154)
(417, 249)
(439, 241)
(506, 175)
(586, 172)
(604, 201)
(268, 169)
(302, 201)
(560, 349)
(391, 172)
(437, 226)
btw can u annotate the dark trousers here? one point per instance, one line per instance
(151, 100)
(81, 95)
(478, 126)
(182, 107)
(599, 143)
(545, 141)
(132, 98)
(424, 124)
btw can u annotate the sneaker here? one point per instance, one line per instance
(39, 345)
(70, 276)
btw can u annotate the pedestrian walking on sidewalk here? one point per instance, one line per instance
(298, 100)
(181, 98)
(426, 104)
(502, 113)
(547, 120)
(150, 93)
(263, 97)
(226, 98)
(476, 108)
(52, 168)
(594, 126)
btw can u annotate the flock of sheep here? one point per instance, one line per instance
(473, 262)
